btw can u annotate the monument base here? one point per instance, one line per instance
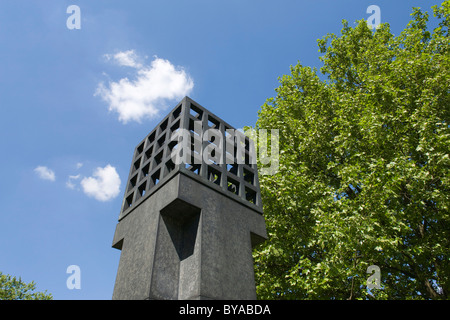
(188, 241)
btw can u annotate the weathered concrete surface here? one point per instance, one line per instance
(187, 241)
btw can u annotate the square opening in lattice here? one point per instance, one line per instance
(192, 128)
(195, 145)
(195, 157)
(213, 123)
(247, 143)
(232, 168)
(140, 148)
(156, 177)
(141, 190)
(212, 156)
(214, 175)
(161, 141)
(232, 186)
(145, 170)
(128, 202)
(196, 112)
(148, 153)
(158, 158)
(163, 126)
(230, 149)
(132, 183)
(176, 113)
(211, 138)
(151, 137)
(170, 166)
(249, 158)
(172, 145)
(195, 168)
(175, 127)
(248, 176)
(136, 164)
(250, 195)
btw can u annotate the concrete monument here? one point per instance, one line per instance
(191, 212)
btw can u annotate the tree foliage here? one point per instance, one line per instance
(364, 168)
(12, 288)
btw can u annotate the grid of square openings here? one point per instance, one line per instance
(152, 162)
(232, 175)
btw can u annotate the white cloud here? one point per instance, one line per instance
(45, 173)
(70, 184)
(125, 58)
(104, 185)
(154, 87)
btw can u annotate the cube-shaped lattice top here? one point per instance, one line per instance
(193, 141)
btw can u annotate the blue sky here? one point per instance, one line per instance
(75, 102)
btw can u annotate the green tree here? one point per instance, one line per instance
(12, 288)
(364, 168)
